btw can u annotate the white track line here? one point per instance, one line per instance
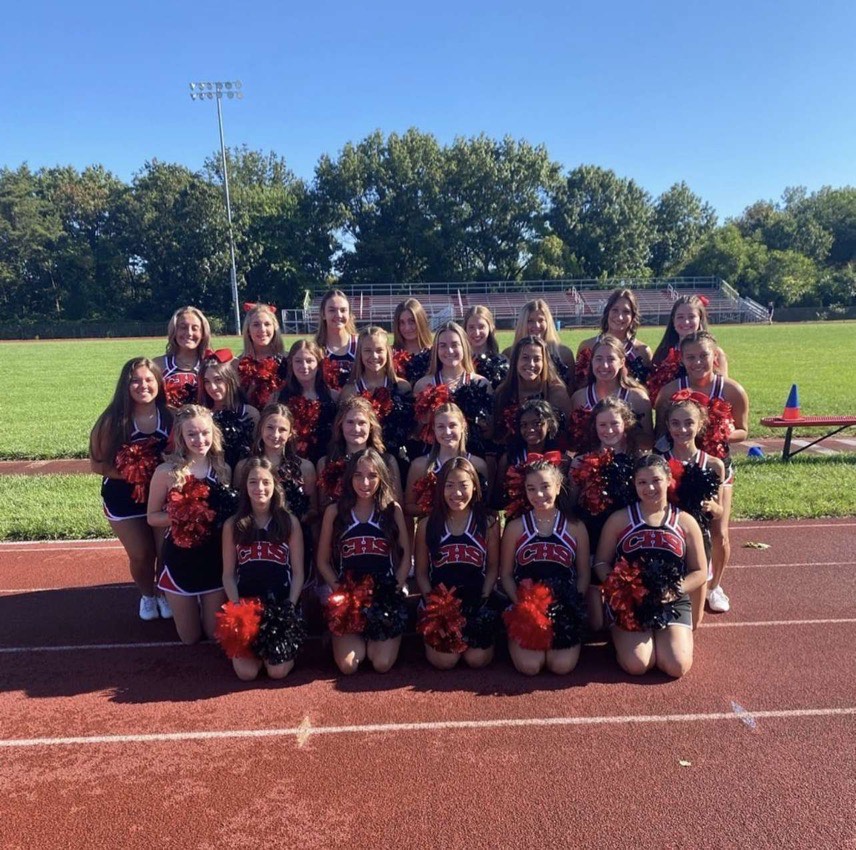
(305, 730)
(800, 564)
(11, 591)
(821, 450)
(772, 525)
(708, 624)
(23, 548)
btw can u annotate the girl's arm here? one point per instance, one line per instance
(720, 362)
(695, 560)
(605, 557)
(492, 566)
(402, 387)
(323, 499)
(583, 561)
(325, 548)
(414, 474)
(560, 399)
(347, 391)
(98, 449)
(497, 495)
(421, 553)
(230, 582)
(736, 395)
(506, 557)
(578, 399)
(713, 507)
(662, 405)
(404, 541)
(252, 413)
(296, 553)
(395, 476)
(310, 487)
(642, 408)
(162, 480)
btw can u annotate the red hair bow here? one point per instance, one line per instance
(704, 300)
(252, 305)
(552, 457)
(691, 395)
(221, 355)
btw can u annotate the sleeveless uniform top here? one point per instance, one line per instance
(361, 387)
(623, 394)
(364, 549)
(717, 391)
(540, 557)
(180, 384)
(263, 567)
(638, 538)
(116, 493)
(460, 561)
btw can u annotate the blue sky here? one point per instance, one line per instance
(740, 99)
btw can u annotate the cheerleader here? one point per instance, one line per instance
(620, 319)
(452, 377)
(656, 554)
(457, 549)
(688, 316)
(536, 320)
(607, 376)
(263, 560)
(373, 377)
(728, 422)
(481, 333)
(531, 375)
(544, 566)
(220, 391)
(450, 441)
(125, 448)
(188, 338)
(336, 337)
(260, 365)
(697, 477)
(411, 340)
(356, 427)
(187, 498)
(309, 397)
(364, 556)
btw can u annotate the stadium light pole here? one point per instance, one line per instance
(216, 91)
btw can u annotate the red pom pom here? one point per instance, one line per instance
(623, 591)
(677, 469)
(137, 463)
(400, 359)
(528, 622)
(441, 622)
(582, 367)
(191, 519)
(237, 627)
(426, 403)
(424, 489)
(381, 400)
(346, 606)
(259, 379)
(579, 432)
(306, 413)
(720, 426)
(330, 480)
(588, 475)
(664, 373)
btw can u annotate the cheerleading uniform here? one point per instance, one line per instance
(540, 558)
(263, 567)
(592, 399)
(195, 570)
(638, 538)
(117, 494)
(180, 383)
(343, 361)
(717, 391)
(364, 549)
(460, 562)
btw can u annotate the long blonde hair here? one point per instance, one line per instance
(171, 329)
(434, 365)
(179, 455)
(449, 409)
(423, 329)
(551, 335)
(357, 370)
(257, 310)
(484, 313)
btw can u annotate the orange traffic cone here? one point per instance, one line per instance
(792, 405)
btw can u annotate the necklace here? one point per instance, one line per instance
(545, 523)
(455, 382)
(456, 532)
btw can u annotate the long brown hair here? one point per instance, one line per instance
(507, 391)
(321, 333)
(279, 528)
(115, 425)
(292, 385)
(337, 447)
(624, 411)
(440, 510)
(234, 394)
(670, 336)
(482, 312)
(276, 409)
(423, 329)
(467, 364)
(614, 343)
(617, 295)
(551, 335)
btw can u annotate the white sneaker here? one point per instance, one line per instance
(163, 607)
(717, 600)
(148, 608)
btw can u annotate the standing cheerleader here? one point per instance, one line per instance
(125, 447)
(531, 375)
(260, 365)
(364, 556)
(356, 427)
(263, 565)
(650, 559)
(697, 477)
(452, 377)
(373, 377)
(457, 560)
(621, 319)
(688, 316)
(188, 337)
(536, 320)
(310, 399)
(607, 376)
(220, 391)
(411, 340)
(336, 337)
(728, 422)
(545, 572)
(481, 333)
(189, 497)
(450, 441)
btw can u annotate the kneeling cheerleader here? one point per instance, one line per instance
(457, 557)
(545, 572)
(261, 625)
(364, 556)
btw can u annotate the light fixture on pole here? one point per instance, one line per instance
(217, 91)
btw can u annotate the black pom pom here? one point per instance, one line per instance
(662, 576)
(482, 626)
(237, 435)
(637, 369)
(417, 366)
(494, 367)
(568, 613)
(386, 617)
(281, 633)
(224, 501)
(697, 485)
(292, 483)
(398, 424)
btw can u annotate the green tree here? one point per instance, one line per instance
(681, 220)
(833, 210)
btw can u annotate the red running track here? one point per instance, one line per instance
(420, 758)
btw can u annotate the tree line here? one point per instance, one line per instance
(78, 245)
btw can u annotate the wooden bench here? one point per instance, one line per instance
(835, 423)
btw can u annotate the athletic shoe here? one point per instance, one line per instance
(148, 608)
(717, 600)
(163, 607)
